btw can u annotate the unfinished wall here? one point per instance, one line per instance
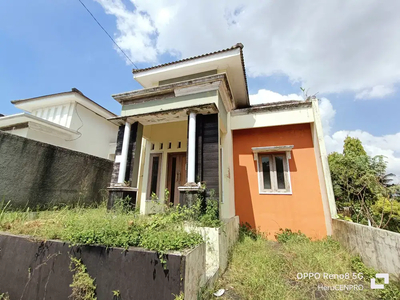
(378, 248)
(40, 270)
(39, 174)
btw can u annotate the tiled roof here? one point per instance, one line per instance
(238, 45)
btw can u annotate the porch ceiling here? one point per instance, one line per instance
(166, 116)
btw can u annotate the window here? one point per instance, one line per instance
(154, 175)
(273, 173)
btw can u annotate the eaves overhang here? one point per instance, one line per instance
(14, 121)
(193, 86)
(166, 116)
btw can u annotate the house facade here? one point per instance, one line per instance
(192, 126)
(69, 120)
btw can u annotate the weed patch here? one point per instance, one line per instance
(286, 235)
(262, 269)
(119, 227)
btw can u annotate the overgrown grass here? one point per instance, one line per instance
(120, 227)
(261, 269)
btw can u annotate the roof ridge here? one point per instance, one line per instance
(277, 102)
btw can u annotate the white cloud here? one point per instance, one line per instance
(378, 91)
(135, 31)
(343, 45)
(387, 145)
(267, 96)
(326, 109)
(327, 115)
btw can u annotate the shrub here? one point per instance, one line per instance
(286, 235)
(210, 218)
(162, 241)
(245, 230)
(83, 287)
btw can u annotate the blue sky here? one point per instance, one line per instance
(51, 46)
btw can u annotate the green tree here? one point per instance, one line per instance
(387, 213)
(359, 182)
(353, 146)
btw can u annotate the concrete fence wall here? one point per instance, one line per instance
(219, 241)
(39, 174)
(40, 270)
(378, 248)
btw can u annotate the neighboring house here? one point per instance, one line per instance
(192, 122)
(69, 120)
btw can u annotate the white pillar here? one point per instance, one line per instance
(124, 154)
(192, 147)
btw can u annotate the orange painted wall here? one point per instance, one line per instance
(303, 210)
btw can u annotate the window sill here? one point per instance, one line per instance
(275, 193)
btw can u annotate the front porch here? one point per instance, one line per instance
(166, 157)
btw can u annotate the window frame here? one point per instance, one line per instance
(152, 155)
(273, 174)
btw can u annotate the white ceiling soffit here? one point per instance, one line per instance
(229, 62)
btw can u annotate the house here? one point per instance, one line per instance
(69, 119)
(193, 123)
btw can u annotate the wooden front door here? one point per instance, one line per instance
(176, 175)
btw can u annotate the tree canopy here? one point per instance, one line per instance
(360, 183)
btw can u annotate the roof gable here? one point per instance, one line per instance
(74, 95)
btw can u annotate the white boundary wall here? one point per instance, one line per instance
(378, 248)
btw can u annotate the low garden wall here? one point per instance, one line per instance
(378, 248)
(37, 174)
(219, 242)
(32, 269)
